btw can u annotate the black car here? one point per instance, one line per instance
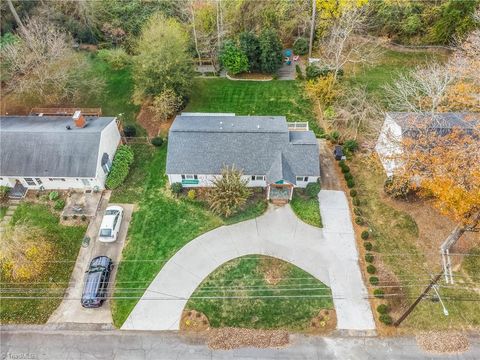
(96, 282)
(338, 152)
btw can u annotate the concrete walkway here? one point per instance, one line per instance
(8, 216)
(329, 254)
(70, 310)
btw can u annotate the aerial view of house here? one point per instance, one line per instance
(240, 179)
(56, 152)
(269, 154)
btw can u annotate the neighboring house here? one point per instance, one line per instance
(399, 125)
(56, 152)
(269, 152)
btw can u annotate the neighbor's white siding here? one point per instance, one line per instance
(388, 144)
(109, 141)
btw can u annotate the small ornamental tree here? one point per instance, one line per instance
(270, 51)
(250, 45)
(300, 46)
(166, 104)
(229, 192)
(233, 59)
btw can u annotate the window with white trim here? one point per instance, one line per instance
(302, 178)
(30, 181)
(258, 177)
(189, 177)
(39, 181)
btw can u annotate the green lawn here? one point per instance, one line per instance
(66, 241)
(245, 277)
(395, 232)
(307, 209)
(117, 96)
(253, 98)
(387, 67)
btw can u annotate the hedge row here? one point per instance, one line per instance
(120, 167)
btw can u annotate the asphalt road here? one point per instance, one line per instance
(115, 344)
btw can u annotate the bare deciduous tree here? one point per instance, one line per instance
(43, 68)
(343, 44)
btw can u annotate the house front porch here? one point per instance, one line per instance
(280, 193)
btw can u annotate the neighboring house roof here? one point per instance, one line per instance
(258, 145)
(440, 121)
(42, 146)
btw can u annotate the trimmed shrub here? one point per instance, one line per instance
(345, 169)
(4, 190)
(356, 201)
(369, 258)
(386, 319)
(84, 217)
(312, 189)
(59, 204)
(120, 167)
(300, 46)
(74, 217)
(350, 145)
(192, 194)
(365, 234)
(334, 136)
(368, 246)
(157, 141)
(348, 176)
(176, 188)
(359, 220)
(350, 183)
(313, 71)
(382, 309)
(65, 217)
(357, 210)
(53, 195)
(341, 163)
(117, 58)
(353, 193)
(379, 293)
(129, 131)
(373, 280)
(299, 72)
(371, 269)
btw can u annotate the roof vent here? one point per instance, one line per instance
(79, 119)
(68, 127)
(258, 126)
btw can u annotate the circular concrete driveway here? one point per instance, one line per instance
(329, 254)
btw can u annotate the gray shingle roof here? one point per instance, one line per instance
(33, 146)
(259, 145)
(441, 121)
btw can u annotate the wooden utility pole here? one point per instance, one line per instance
(425, 292)
(312, 27)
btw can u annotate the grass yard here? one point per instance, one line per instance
(306, 208)
(66, 241)
(386, 68)
(253, 98)
(117, 97)
(396, 232)
(254, 278)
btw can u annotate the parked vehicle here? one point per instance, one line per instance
(338, 152)
(111, 224)
(96, 282)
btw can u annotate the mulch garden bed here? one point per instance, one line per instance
(232, 338)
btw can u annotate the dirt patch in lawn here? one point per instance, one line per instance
(153, 127)
(273, 270)
(193, 320)
(233, 338)
(324, 322)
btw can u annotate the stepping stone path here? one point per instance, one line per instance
(8, 216)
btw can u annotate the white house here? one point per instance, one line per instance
(262, 147)
(56, 152)
(399, 125)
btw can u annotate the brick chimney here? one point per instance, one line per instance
(79, 119)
